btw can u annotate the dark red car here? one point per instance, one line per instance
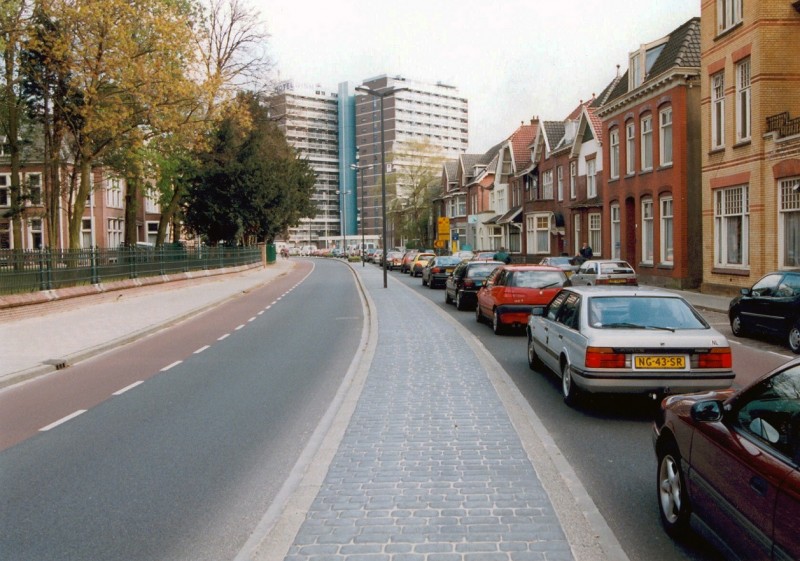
(728, 466)
(511, 291)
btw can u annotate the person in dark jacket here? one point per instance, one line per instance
(502, 256)
(586, 251)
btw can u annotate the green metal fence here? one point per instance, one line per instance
(29, 271)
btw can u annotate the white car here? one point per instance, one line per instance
(627, 340)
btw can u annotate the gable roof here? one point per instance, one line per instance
(519, 144)
(682, 50)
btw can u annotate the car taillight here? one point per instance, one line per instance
(436, 270)
(632, 282)
(604, 357)
(716, 358)
(469, 283)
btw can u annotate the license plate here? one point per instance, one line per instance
(616, 281)
(659, 362)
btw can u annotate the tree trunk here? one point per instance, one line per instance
(131, 210)
(84, 189)
(167, 216)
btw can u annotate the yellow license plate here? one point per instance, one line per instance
(658, 362)
(617, 281)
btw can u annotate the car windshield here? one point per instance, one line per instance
(481, 271)
(537, 279)
(643, 312)
(559, 261)
(447, 261)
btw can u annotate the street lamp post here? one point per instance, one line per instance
(361, 169)
(343, 207)
(381, 95)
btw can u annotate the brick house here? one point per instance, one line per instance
(479, 177)
(650, 188)
(750, 111)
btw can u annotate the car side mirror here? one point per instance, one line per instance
(538, 311)
(744, 291)
(707, 411)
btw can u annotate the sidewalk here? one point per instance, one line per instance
(75, 329)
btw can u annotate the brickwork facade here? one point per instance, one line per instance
(750, 142)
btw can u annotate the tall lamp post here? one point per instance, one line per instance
(381, 95)
(343, 212)
(361, 169)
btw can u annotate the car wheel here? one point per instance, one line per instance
(673, 504)
(736, 325)
(447, 298)
(794, 338)
(460, 301)
(497, 326)
(533, 358)
(431, 284)
(568, 388)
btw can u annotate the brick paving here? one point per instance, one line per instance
(430, 467)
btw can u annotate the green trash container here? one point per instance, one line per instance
(272, 253)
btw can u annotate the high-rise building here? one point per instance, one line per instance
(309, 117)
(418, 114)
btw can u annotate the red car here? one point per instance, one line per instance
(728, 466)
(511, 291)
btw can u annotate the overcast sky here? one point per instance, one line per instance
(512, 59)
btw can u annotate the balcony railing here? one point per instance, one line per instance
(783, 125)
(31, 271)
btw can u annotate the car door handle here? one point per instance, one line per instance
(759, 485)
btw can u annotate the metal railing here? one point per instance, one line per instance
(30, 271)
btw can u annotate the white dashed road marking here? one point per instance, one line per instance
(63, 420)
(126, 388)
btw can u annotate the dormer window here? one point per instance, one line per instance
(641, 61)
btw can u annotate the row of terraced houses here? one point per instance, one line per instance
(686, 165)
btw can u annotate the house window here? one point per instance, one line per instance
(731, 223)
(86, 233)
(630, 148)
(729, 13)
(789, 222)
(591, 185)
(461, 205)
(34, 181)
(615, 232)
(151, 205)
(5, 198)
(474, 203)
(152, 232)
(35, 233)
(743, 101)
(647, 143)
(573, 180)
(718, 110)
(576, 234)
(114, 194)
(560, 190)
(614, 155)
(538, 227)
(547, 185)
(495, 237)
(647, 231)
(595, 238)
(667, 235)
(5, 234)
(665, 137)
(116, 227)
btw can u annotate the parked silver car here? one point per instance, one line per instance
(604, 271)
(627, 340)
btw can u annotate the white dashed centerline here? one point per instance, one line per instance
(174, 364)
(239, 327)
(126, 388)
(63, 420)
(224, 337)
(201, 349)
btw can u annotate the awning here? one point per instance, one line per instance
(493, 219)
(510, 215)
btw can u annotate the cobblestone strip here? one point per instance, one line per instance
(430, 468)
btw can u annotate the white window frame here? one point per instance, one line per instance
(5, 190)
(613, 141)
(86, 233)
(665, 137)
(151, 231)
(461, 205)
(743, 101)
(591, 183)
(647, 231)
(595, 233)
(731, 204)
(789, 223)
(547, 185)
(630, 148)
(616, 238)
(538, 233)
(5, 234)
(114, 193)
(35, 231)
(115, 232)
(718, 110)
(667, 230)
(646, 127)
(560, 187)
(33, 185)
(573, 179)
(576, 232)
(729, 14)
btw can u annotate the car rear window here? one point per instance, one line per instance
(480, 271)
(537, 279)
(607, 268)
(657, 312)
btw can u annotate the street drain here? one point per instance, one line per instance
(59, 363)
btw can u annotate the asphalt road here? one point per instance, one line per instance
(225, 406)
(607, 441)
